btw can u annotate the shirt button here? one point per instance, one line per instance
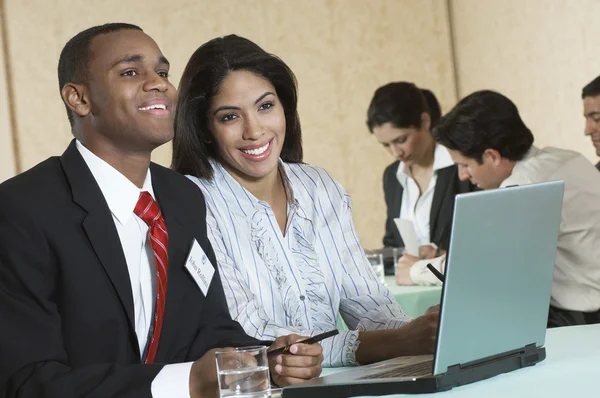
(302, 297)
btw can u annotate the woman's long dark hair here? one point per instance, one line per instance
(193, 144)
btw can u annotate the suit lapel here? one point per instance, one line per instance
(444, 178)
(180, 243)
(396, 201)
(99, 227)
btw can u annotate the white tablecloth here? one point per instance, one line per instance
(571, 370)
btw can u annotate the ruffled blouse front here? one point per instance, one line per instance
(300, 281)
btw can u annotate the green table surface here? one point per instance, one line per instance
(414, 300)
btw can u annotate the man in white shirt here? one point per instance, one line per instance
(107, 278)
(493, 148)
(591, 111)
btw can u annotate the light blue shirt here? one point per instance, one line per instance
(297, 282)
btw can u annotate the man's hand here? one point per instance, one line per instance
(301, 363)
(203, 376)
(420, 334)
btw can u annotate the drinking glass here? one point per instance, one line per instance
(376, 261)
(244, 372)
(397, 253)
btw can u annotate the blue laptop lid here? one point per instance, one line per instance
(499, 272)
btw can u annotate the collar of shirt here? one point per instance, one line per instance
(441, 160)
(533, 151)
(236, 190)
(120, 194)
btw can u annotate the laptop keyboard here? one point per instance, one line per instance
(415, 369)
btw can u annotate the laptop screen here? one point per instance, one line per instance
(499, 271)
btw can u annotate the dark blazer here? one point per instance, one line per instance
(66, 306)
(440, 219)
(598, 165)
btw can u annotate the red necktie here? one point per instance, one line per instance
(147, 209)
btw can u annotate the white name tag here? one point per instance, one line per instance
(199, 267)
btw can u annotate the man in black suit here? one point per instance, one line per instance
(83, 280)
(591, 111)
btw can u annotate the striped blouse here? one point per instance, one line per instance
(297, 282)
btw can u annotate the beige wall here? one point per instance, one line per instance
(7, 159)
(340, 50)
(540, 53)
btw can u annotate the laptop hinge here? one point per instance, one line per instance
(528, 355)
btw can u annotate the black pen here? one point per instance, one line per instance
(435, 272)
(311, 340)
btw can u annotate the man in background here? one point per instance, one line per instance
(493, 148)
(591, 111)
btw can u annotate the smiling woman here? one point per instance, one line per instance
(248, 124)
(281, 230)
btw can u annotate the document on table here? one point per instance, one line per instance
(409, 236)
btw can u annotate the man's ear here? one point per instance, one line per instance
(493, 156)
(76, 98)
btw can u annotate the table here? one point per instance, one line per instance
(414, 299)
(571, 369)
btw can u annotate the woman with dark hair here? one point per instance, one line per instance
(421, 184)
(281, 230)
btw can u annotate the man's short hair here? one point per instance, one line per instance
(73, 64)
(485, 120)
(592, 89)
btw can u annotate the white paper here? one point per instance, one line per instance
(199, 267)
(409, 236)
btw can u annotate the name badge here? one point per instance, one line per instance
(199, 267)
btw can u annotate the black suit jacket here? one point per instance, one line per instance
(66, 306)
(440, 218)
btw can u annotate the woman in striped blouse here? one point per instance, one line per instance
(282, 230)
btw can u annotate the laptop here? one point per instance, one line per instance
(495, 298)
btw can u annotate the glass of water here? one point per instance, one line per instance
(397, 253)
(376, 261)
(244, 372)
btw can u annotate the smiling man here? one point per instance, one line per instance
(591, 111)
(99, 295)
(493, 148)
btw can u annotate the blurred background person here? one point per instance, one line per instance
(591, 111)
(421, 183)
(493, 148)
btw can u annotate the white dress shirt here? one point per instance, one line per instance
(300, 281)
(576, 284)
(122, 195)
(416, 206)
